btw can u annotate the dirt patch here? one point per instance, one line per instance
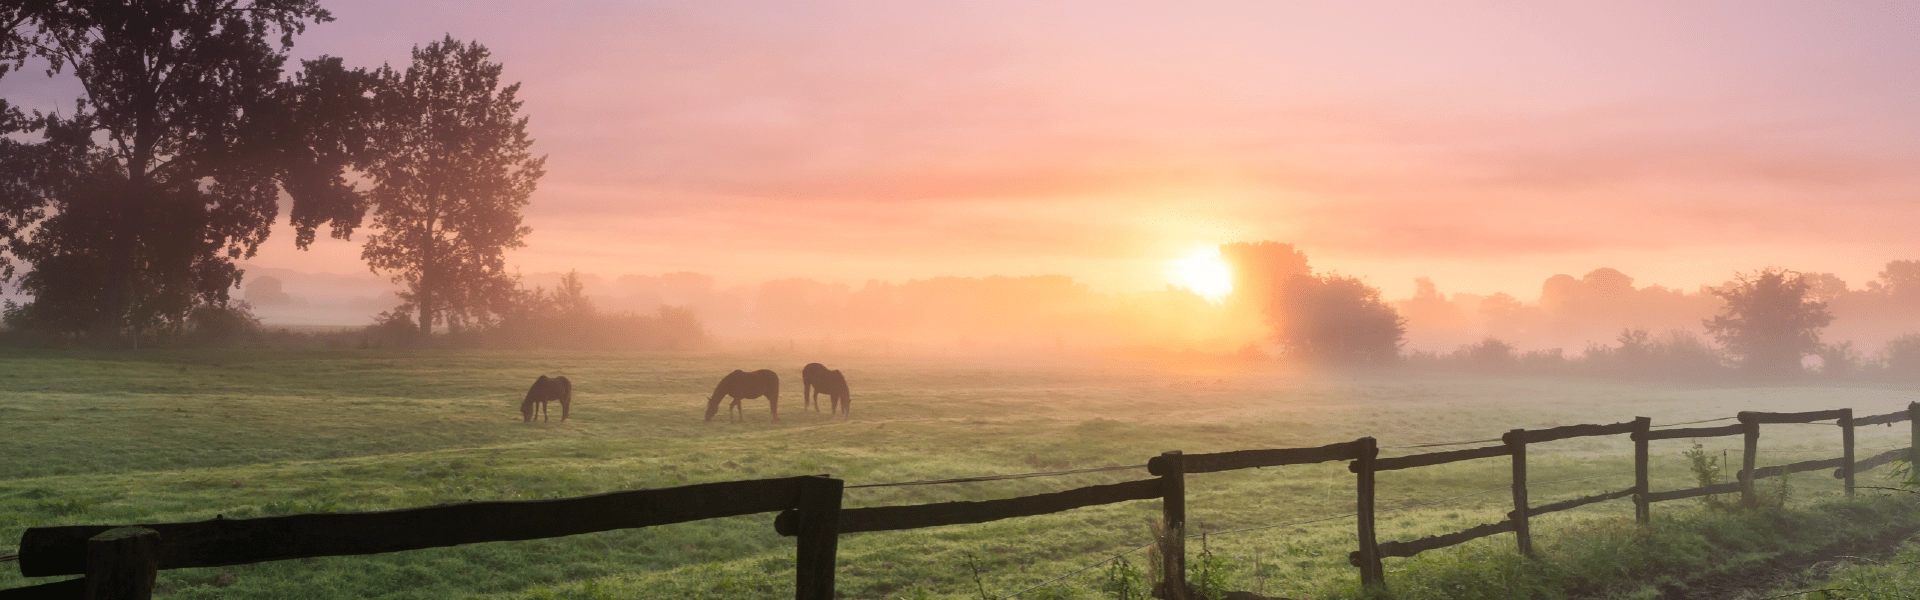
(1755, 580)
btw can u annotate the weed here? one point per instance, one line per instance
(1707, 471)
(1207, 574)
(979, 585)
(1123, 581)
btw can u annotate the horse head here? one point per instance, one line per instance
(533, 395)
(720, 391)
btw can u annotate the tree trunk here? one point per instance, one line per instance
(117, 298)
(426, 308)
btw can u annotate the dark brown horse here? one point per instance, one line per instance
(834, 385)
(742, 385)
(810, 377)
(545, 389)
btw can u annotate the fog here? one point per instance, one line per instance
(1571, 313)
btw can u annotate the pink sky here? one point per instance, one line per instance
(1485, 145)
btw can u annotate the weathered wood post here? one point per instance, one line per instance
(1749, 458)
(1913, 422)
(1173, 514)
(1846, 440)
(1517, 443)
(121, 564)
(1642, 510)
(818, 533)
(1371, 573)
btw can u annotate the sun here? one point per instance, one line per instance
(1204, 273)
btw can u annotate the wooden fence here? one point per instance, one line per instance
(121, 562)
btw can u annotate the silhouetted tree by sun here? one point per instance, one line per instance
(1335, 319)
(1261, 270)
(1768, 322)
(169, 167)
(451, 171)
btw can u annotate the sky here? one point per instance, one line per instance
(1485, 145)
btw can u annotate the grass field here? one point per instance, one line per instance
(163, 436)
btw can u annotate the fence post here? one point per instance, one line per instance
(121, 564)
(1518, 445)
(1913, 453)
(1173, 514)
(1749, 457)
(818, 530)
(1846, 439)
(1642, 510)
(1371, 573)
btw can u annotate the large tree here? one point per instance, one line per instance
(1335, 319)
(451, 169)
(134, 206)
(1769, 322)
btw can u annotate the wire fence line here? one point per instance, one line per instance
(1492, 440)
(1142, 466)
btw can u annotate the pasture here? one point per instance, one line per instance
(185, 435)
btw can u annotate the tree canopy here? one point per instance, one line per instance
(1336, 319)
(451, 169)
(133, 206)
(1769, 322)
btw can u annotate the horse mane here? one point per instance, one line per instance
(725, 384)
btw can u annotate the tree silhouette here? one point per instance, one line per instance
(1261, 270)
(1769, 322)
(133, 207)
(1336, 319)
(451, 170)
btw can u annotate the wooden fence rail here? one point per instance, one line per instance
(119, 562)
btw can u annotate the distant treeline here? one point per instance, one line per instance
(1675, 355)
(560, 319)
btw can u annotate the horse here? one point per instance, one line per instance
(743, 385)
(545, 389)
(834, 385)
(810, 376)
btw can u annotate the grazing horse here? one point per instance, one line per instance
(834, 385)
(810, 377)
(545, 389)
(743, 385)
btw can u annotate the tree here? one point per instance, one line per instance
(1336, 319)
(134, 206)
(1768, 322)
(451, 170)
(1261, 270)
(1900, 279)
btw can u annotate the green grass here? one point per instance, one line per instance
(1892, 577)
(165, 436)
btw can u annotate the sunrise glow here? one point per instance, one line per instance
(1204, 273)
